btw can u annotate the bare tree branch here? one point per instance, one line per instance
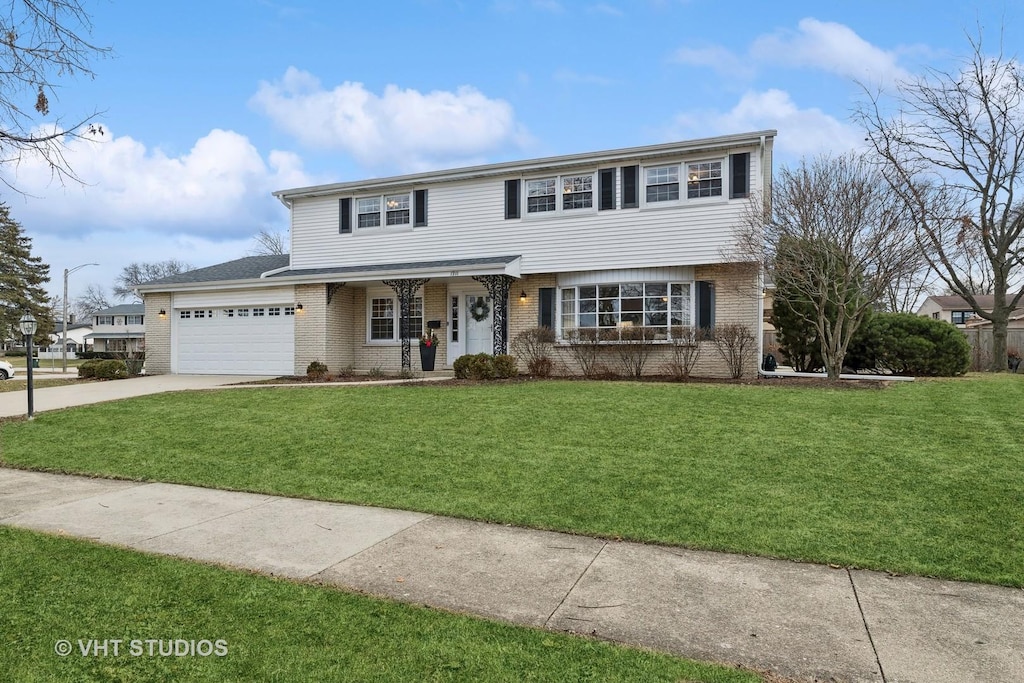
(42, 42)
(270, 243)
(952, 146)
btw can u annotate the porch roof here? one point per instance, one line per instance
(115, 335)
(488, 265)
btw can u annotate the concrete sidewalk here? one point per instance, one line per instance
(799, 620)
(15, 403)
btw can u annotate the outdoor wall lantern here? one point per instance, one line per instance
(298, 307)
(163, 313)
(522, 297)
(28, 327)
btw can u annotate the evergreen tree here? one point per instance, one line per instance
(22, 277)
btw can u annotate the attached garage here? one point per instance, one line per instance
(242, 332)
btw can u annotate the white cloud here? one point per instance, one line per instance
(831, 47)
(113, 250)
(802, 132)
(405, 130)
(221, 187)
(716, 57)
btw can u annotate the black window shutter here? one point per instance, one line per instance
(346, 215)
(739, 170)
(546, 307)
(606, 188)
(511, 199)
(706, 306)
(630, 176)
(420, 208)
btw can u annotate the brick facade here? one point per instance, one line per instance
(158, 334)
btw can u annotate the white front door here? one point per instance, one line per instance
(479, 316)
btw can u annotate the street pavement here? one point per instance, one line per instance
(803, 621)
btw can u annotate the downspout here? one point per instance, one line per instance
(760, 279)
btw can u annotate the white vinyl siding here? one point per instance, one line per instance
(467, 220)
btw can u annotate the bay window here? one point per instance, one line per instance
(659, 306)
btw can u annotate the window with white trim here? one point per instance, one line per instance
(391, 210)
(704, 179)
(133, 320)
(659, 306)
(289, 310)
(577, 193)
(384, 319)
(184, 315)
(258, 312)
(104, 320)
(662, 183)
(274, 310)
(243, 312)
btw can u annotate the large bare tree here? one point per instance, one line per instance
(834, 237)
(134, 274)
(952, 145)
(41, 42)
(270, 243)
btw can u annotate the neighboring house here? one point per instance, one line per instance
(600, 241)
(956, 310)
(120, 328)
(76, 339)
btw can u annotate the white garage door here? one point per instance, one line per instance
(249, 340)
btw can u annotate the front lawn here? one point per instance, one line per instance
(55, 589)
(19, 382)
(921, 478)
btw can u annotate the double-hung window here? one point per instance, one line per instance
(385, 319)
(704, 179)
(368, 212)
(577, 192)
(391, 210)
(662, 183)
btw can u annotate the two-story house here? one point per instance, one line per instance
(594, 241)
(119, 329)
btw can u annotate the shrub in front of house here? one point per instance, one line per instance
(484, 366)
(533, 346)
(316, 371)
(87, 370)
(908, 344)
(111, 369)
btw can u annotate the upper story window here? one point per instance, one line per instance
(577, 193)
(540, 195)
(388, 210)
(662, 183)
(133, 320)
(704, 179)
(104, 320)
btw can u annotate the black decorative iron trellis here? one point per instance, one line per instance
(497, 286)
(406, 292)
(332, 289)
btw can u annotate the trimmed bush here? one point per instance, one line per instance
(111, 369)
(504, 366)
(87, 370)
(484, 366)
(908, 344)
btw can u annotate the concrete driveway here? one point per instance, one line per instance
(14, 403)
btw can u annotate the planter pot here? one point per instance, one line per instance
(427, 354)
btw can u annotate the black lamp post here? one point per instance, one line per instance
(28, 327)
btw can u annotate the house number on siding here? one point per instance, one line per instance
(455, 273)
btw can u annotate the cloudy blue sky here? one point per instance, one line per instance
(210, 106)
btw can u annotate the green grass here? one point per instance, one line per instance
(56, 589)
(922, 478)
(19, 382)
